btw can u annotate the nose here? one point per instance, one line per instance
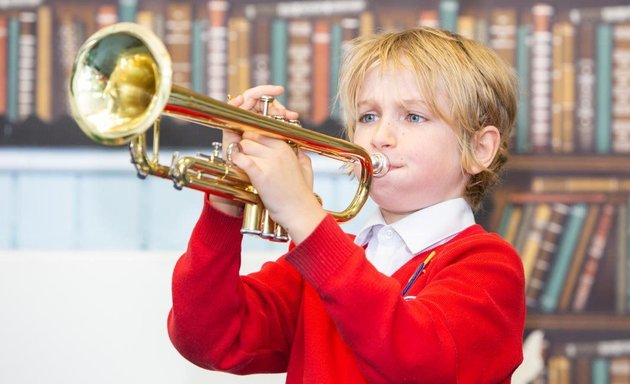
(384, 135)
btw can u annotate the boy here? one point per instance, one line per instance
(422, 294)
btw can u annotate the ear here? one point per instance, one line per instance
(485, 146)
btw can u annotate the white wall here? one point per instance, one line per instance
(94, 317)
(86, 255)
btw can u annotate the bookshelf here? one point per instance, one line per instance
(571, 146)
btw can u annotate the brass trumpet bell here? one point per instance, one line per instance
(120, 86)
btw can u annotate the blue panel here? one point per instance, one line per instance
(7, 211)
(46, 211)
(109, 212)
(170, 214)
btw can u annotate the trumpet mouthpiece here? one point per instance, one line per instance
(380, 164)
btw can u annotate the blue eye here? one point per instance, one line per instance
(367, 118)
(414, 118)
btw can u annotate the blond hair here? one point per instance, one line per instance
(479, 88)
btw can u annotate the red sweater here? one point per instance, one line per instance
(324, 314)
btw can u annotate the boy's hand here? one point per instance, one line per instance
(283, 179)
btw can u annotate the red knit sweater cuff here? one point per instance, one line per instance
(322, 253)
(211, 219)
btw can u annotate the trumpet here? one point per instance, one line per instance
(120, 86)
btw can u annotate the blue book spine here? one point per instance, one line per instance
(279, 55)
(603, 81)
(566, 249)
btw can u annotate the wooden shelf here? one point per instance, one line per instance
(604, 164)
(573, 322)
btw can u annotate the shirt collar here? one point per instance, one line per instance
(425, 228)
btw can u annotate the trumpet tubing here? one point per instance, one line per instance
(120, 86)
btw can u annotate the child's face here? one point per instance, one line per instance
(422, 149)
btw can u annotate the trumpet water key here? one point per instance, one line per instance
(120, 86)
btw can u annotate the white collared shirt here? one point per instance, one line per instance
(390, 246)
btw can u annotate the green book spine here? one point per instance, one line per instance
(522, 68)
(12, 83)
(599, 371)
(197, 57)
(336, 36)
(566, 249)
(127, 10)
(603, 81)
(279, 42)
(505, 219)
(448, 14)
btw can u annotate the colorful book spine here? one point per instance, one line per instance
(197, 57)
(448, 10)
(4, 36)
(540, 87)
(44, 93)
(300, 56)
(279, 43)
(542, 213)
(127, 10)
(593, 259)
(12, 83)
(178, 41)
(547, 252)
(567, 74)
(216, 50)
(502, 33)
(336, 40)
(603, 81)
(564, 256)
(261, 59)
(621, 285)
(585, 93)
(106, 14)
(522, 136)
(578, 258)
(321, 71)
(27, 64)
(238, 71)
(620, 124)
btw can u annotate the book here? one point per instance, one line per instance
(545, 259)
(261, 59)
(580, 184)
(559, 370)
(197, 57)
(216, 49)
(599, 371)
(300, 56)
(620, 124)
(567, 73)
(238, 72)
(127, 10)
(12, 70)
(44, 91)
(321, 71)
(540, 87)
(106, 14)
(598, 348)
(522, 139)
(578, 258)
(279, 43)
(448, 10)
(585, 92)
(3, 63)
(304, 9)
(603, 81)
(502, 33)
(178, 41)
(593, 258)
(623, 260)
(531, 247)
(566, 250)
(619, 370)
(27, 64)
